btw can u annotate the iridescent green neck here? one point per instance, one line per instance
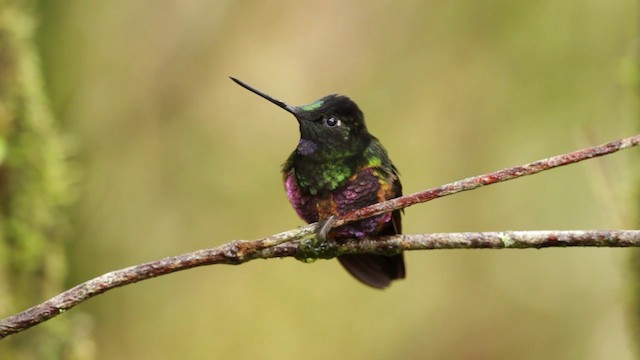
(320, 172)
(325, 177)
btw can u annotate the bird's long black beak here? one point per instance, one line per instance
(281, 104)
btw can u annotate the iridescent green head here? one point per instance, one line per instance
(331, 126)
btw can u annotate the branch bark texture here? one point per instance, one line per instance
(300, 244)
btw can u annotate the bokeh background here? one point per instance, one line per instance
(171, 156)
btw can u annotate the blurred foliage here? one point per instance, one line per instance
(176, 157)
(34, 188)
(633, 74)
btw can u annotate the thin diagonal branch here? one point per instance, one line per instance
(281, 245)
(491, 178)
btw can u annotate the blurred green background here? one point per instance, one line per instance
(172, 156)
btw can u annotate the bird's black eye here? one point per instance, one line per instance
(331, 122)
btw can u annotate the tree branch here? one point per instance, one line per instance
(282, 245)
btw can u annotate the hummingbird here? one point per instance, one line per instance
(337, 167)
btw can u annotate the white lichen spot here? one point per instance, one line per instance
(506, 240)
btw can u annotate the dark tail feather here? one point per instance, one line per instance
(374, 270)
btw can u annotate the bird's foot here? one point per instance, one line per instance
(317, 247)
(324, 226)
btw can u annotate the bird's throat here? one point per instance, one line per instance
(307, 147)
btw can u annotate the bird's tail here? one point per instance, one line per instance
(374, 270)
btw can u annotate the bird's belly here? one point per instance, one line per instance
(359, 191)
